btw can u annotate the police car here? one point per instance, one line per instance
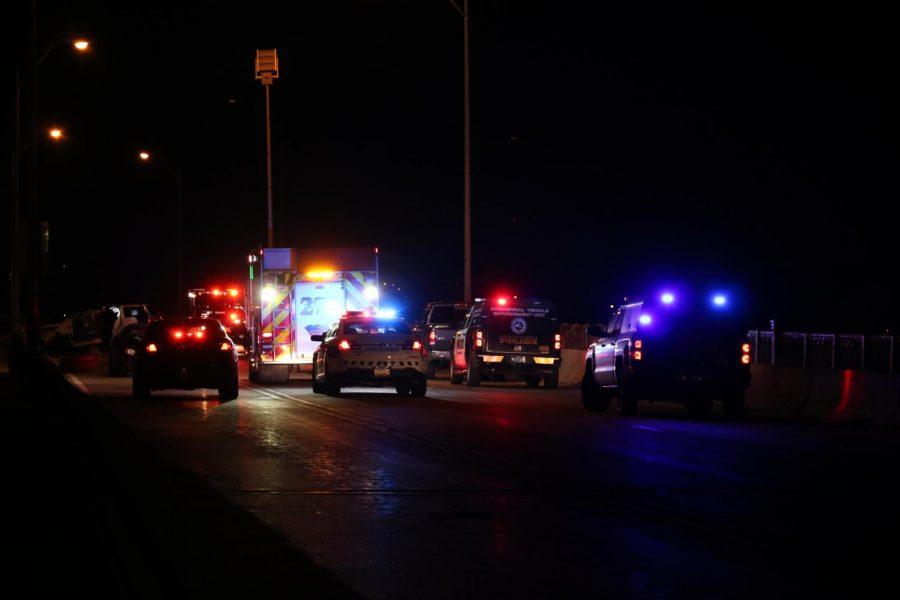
(679, 346)
(369, 349)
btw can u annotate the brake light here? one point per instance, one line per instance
(638, 353)
(557, 342)
(178, 334)
(479, 339)
(152, 348)
(432, 338)
(745, 359)
(745, 353)
(417, 345)
(233, 293)
(745, 348)
(638, 344)
(235, 318)
(225, 347)
(198, 334)
(502, 301)
(344, 345)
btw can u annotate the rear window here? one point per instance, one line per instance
(448, 315)
(376, 326)
(164, 327)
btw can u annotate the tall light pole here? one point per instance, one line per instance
(467, 260)
(145, 156)
(34, 251)
(267, 73)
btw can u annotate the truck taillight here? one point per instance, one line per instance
(152, 348)
(417, 345)
(348, 345)
(745, 353)
(479, 339)
(432, 337)
(225, 347)
(557, 342)
(638, 352)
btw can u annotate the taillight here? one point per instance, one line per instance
(745, 354)
(417, 345)
(638, 352)
(557, 342)
(479, 339)
(235, 318)
(198, 335)
(152, 348)
(432, 337)
(178, 334)
(225, 347)
(348, 345)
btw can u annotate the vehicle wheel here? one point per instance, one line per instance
(254, 374)
(229, 389)
(455, 378)
(533, 382)
(140, 389)
(733, 403)
(628, 402)
(419, 388)
(403, 389)
(332, 387)
(473, 371)
(592, 396)
(551, 382)
(316, 384)
(430, 370)
(699, 406)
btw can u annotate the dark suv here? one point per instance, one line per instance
(508, 339)
(689, 350)
(441, 322)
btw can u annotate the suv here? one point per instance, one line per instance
(669, 349)
(442, 320)
(365, 349)
(508, 339)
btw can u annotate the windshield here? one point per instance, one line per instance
(448, 315)
(376, 326)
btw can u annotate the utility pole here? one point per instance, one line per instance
(15, 297)
(467, 243)
(267, 73)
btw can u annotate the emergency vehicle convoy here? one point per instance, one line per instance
(297, 295)
(508, 338)
(679, 346)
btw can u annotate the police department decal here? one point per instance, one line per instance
(518, 325)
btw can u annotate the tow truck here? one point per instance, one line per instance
(225, 304)
(294, 294)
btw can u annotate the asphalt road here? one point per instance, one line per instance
(507, 491)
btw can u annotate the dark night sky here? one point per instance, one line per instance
(612, 148)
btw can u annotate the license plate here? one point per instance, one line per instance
(382, 371)
(518, 359)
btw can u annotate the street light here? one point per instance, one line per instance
(34, 246)
(145, 156)
(267, 73)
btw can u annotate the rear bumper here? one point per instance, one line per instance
(508, 365)
(186, 376)
(366, 376)
(666, 380)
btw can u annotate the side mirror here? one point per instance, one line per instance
(596, 330)
(316, 337)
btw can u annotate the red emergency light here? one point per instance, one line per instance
(502, 301)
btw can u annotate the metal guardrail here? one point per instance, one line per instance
(859, 352)
(796, 349)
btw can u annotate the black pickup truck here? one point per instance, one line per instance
(690, 350)
(508, 339)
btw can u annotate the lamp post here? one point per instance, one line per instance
(145, 156)
(34, 225)
(467, 252)
(267, 73)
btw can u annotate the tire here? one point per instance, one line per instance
(403, 389)
(332, 387)
(733, 403)
(473, 371)
(551, 382)
(533, 382)
(140, 389)
(254, 374)
(316, 385)
(228, 390)
(455, 378)
(419, 388)
(699, 406)
(593, 397)
(628, 402)
(430, 370)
